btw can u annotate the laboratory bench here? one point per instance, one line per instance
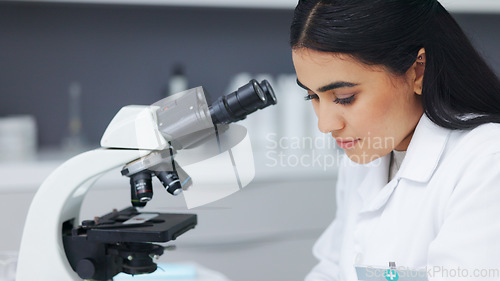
(263, 232)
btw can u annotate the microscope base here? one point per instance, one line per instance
(118, 242)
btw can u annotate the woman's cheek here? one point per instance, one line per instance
(376, 109)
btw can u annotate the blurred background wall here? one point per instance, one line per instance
(122, 55)
(116, 55)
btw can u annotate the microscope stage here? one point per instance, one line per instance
(129, 225)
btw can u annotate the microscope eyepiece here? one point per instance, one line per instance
(268, 90)
(246, 100)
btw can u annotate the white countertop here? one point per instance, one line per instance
(27, 176)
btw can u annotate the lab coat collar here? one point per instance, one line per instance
(425, 149)
(423, 154)
(374, 182)
(374, 190)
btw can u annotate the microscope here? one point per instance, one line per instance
(145, 142)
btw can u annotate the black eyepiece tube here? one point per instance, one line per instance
(246, 100)
(268, 90)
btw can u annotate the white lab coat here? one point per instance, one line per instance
(440, 213)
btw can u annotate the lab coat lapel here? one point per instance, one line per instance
(425, 150)
(374, 182)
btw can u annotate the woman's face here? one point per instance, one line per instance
(368, 110)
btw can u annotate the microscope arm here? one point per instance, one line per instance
(58, 201)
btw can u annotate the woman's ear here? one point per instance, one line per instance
(419, 71)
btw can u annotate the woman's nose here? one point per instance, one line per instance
(329, 120)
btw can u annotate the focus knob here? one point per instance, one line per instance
(85, 269)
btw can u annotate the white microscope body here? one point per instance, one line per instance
(176, 122)
(59, 199)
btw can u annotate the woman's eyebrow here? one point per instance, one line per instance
(331, 86)
(336, 85)
(302, 85)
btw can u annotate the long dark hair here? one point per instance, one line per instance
(459, 91)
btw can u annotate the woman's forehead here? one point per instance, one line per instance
(315, 67)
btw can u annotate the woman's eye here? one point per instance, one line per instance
(344, 101)
(311, 97)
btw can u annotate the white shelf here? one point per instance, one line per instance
(460, 6)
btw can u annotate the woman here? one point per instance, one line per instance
(415, 108)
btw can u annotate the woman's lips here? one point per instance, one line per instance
(346, 144)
